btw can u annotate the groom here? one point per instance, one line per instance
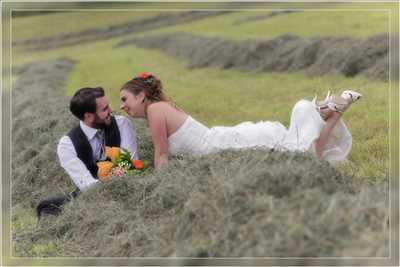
(85, 144)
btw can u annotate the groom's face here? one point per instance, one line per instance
(102, 116)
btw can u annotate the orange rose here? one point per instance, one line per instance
(112, 153)
(104, 170)
(137, 164)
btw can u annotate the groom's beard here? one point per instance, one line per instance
(101, 124)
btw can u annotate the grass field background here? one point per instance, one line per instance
(346, 23)
(66, 22)
(229, 97)
(216, 96)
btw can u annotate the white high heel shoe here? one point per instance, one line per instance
(351, 96)
(336, 103)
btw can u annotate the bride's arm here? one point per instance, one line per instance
(158, 128)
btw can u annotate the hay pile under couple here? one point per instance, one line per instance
(315, 126)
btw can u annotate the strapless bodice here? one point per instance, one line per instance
(190, 138)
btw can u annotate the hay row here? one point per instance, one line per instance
(96, 34)
(316, 56)
(39, 118)
(230, 204)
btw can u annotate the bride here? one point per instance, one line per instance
(314, 126)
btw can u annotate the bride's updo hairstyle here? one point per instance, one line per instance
(147, 83)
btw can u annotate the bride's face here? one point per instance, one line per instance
(132, 104)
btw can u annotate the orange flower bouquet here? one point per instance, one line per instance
(119, 164)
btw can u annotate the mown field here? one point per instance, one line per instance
(260, 96)
(246, 203)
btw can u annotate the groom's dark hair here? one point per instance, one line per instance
(84, 100)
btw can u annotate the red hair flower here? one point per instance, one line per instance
(144, 75)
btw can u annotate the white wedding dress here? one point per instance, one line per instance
(305, 127)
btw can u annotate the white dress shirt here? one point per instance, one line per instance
(75, 168)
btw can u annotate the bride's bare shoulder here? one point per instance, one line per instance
(163, 108)
(164, 113)
(159, 107)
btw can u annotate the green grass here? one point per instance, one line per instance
(322, 23)
(221, 97)
(228, 97)
(65, 22)
(23, 219)
(348, 23)
(24, 223)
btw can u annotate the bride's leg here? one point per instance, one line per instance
(331, 111)
(326, 132)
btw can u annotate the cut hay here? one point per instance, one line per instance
(40, 117)
(249, 203)
(96, 34)
(316, 56)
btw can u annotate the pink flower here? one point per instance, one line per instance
(118, 171)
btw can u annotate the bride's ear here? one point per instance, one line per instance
(142, 96)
